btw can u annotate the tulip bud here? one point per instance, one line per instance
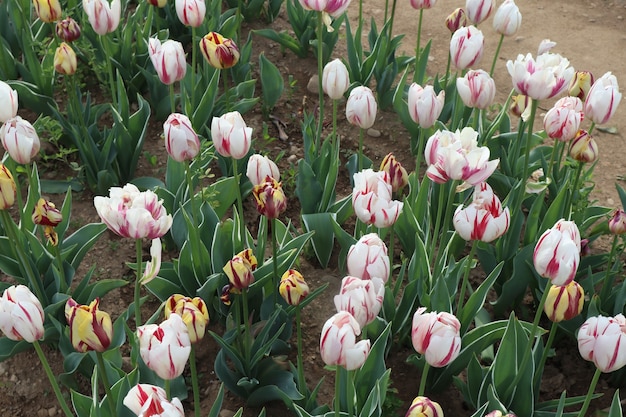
(104, 16)
(48, 10)
(181, 141)
(20, 140)
(479, 10)
(484, 219)
(8, 189)
(362, 298)
(90, 328)
(519, 104)
(293, 288)
(240, 268)
(193, 311)
(498, 413)
(564, 303)
(372, 199)
(220, 53)
(437, 336)
(603, 99)
(563, 119)
(456, 20)
(424, 105)
(68, 29)
(165, 348)
(361, 107)
(368, 259)
(65, 60)
(424, 407)
(8, 97)
(477, 89)
(270, 198)
(259, 168)
(602, 340)
(230, 135)
(557, 253)
(507, 19)
(46, 214)
(466, 47)
(583, 147)
(168, 59)
(338, 344)
(398, 176)
(335, 79)
(158, 3)
(191, 12)
(581, 84)
(545, 46)
(21, 314)
(617, 223)
(422, 4)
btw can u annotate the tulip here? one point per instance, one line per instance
(424, 407)
(456, 20)
(65, 60)
(617, 223)
(361, 107)
(581, 84)
(498, 413)
(338, 342)
(219, 52)
(8, 189)
(168, 59)
(181, 141)
(332, 7)
(270, 198)
(158, 3)
(335, 79)
(583, 147)
(240, 268)
(149, 400)
(477, 89)
(363, 298)
(21, 314)
(563, 119)
(398, 177)
(20, 140)
(45, 213)
(424, 106)
(193, 311)
(8, 96)
(165, 348)
(564, 303)
(104, 16)
(437, 336)
(603, 98)
(484, 219)
(557, 253)
(153, 266)
(293, 288)
(479, 10)
(191, 12)
(422, 4)
(545, 46)
(372, 199)
(48, 10)
(602, 340)
(68, 29)
(546, 77)
(507, 19)
(520, 106)
(466, 47)
(130, 213)
(368, 259)
(90, 328)
(259, 168)
(230, 135)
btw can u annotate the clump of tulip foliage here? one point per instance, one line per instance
(478, 199)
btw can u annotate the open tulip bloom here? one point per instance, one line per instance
(363, 298)
(150, 400)
(602, 340)
(338, 344)
(484, 219)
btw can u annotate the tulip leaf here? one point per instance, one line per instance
(368, 376)
(83, 404)
(477, 299)
(324, 238)
(308, 188)
(272, 83)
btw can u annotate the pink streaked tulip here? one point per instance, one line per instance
(424, 105)
(398, 177)
(498, 413)
(456, 20)
(48, 10)
(104, 16)
(424, 407)
(361, 107)
(372, 199)
(21, 314)
(134, 214)
(437, 336)
(165, 348)
(168, 59)
(363, 298)
(563, 119)
(581, 84)
(260, 167)
(149, 400)
(90, 327)
(507, 19)
(422, 4)
(8, 96)
(602, 340)
(617, 222)
(230, 135)
(484, 219)
(545, 46)
(583, 148)
(479, 10)
(191, 12)
(557, 253)
(368, 259)
(181, 141)
(193, 311)
(68, 29)
(544, 77)
(240, 268)
(477, 89)
(19, 138)
(335, 79)
(338, 344)
(564, 303)
(603, 99)
(466, 47)
(332, 7)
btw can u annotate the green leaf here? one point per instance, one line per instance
(477, 299)
(308, 188)
(272, 83)
(323, 238)
(616, 406)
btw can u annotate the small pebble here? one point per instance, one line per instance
(42, 412)
(52, 411)
(227, 413)
(374, 133)
(313, 84)
(292, 159)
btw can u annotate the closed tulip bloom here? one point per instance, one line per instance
(507, 19)
(45, 213)
(456, 20)
(372, 199)
(581, 84)
(602, 340)
(20, 140)
(557, 253)
(583, 148)
(563, 119)
(181, 141)
(466, 47)
(65, 61)
(8, 189)
(220, 53)
(293, 288)
(476, 89)
(424, 407)
(398, 177)
(259, 168)
(165, 348)
(545, 46)
(104, 16)
(422, 4)
(332, 7)
(134, 214)
(270, 198)
(424, 105)
(545, 77)
(68, 29)
(484, 219)
(191, 12)
(335, 79)
(48, 10)
(479, 10)
(193, 311)
(617, 223)
(338, 344)
(230, 135)
(363, 298)
(8, 96)
(240, 268)
(158, 3)
(21, 314)
(361, 107)
(90, 328)
(603, 99)
(146, 400)
(564, 303)
(168, 59)
(368, 259)
(437, 336)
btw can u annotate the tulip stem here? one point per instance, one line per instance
(552, 159)
(242, 224)
(360, 156)
(52, 379)
(63, 285)
(393, 14)
(495, 57)
(570, 199)
(417, 48)
(337, 390)
(468, 266)
(172, 99)
(446, 77)
(423, 379)
(194, 52)
(168, 389)
(320, 87)
(137, 299)
(105, 383)
(391, 249)
(194, 381)
(109, 58)
(592, 387)
(531, 121)
(433, 237)
(275, 261)
(607, 283)
(246, 329)
(301, 381)
(224, 75)
(191, 193)
(593, 124)
(546, 351)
